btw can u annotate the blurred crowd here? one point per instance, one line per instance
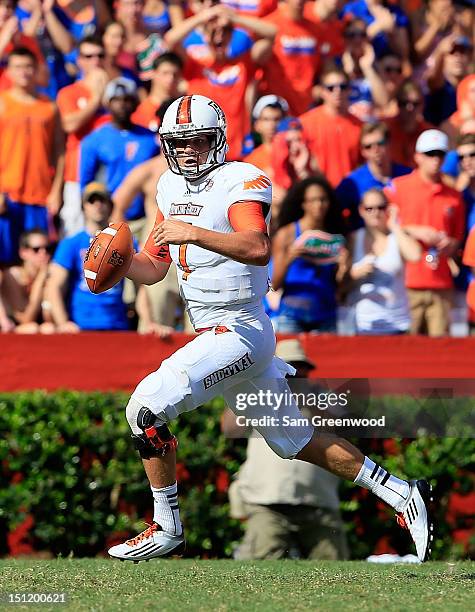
(362, 113)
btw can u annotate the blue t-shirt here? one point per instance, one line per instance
(94, 312)
(240, 42)
(309, 292)
(358, 9)
(352, 188)
(118, 152)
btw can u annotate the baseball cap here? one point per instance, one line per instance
(95, 189)
(432, 140)
(291, 350)
(289, 123)
(120, 87)
(269, 100)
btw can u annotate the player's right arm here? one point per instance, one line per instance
(150, 265)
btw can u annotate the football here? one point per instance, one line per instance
(109, 257)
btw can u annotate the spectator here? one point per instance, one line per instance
(469, 261)
(308, 301)
(166, 84)
(27, 284)
(32, 154)
(390, 69)
(332, 132)
(324, 13)
(367, 89)
(378, 171)
(42, 20)
(291, 508)
(387, 25)
(11, 37)
(432, 213)
(130, 14)
(73, 306)
(113, 41)
(156, 16)
(267, 113)
(430, 26)
(291, 159)
(295, 59)
(465, 107)
(81, 110)
(379, 251)
(453, 175)
(450, 67)
(119, 146)
(82, 17)
(6, 324)
(405, 128)
(221, 59)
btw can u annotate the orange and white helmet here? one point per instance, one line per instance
(191, 116)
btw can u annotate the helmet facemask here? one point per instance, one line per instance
(205, 160)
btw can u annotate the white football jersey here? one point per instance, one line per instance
(211, 284)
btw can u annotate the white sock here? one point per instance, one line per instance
(390, 489)
(165, 509)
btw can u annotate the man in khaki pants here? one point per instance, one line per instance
(291, 507)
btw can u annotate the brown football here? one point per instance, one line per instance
(109, 257)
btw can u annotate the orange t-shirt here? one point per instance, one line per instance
(27, 132)
(261, 158)
(469, 260)
(145, 115)
(331, 42)
(71, 99)
(334, 141)
(226, 84)
(403, 145)
(434, 205)
(295, 60)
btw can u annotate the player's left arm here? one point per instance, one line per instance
(248, 243)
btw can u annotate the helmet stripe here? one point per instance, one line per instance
(183, 114)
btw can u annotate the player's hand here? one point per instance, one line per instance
(173, 231)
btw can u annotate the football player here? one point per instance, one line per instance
(211, 221)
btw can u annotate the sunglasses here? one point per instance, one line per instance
(340, 86)
(37, 249)
(355, 34)
(370, 145)
(100, 55)
(371, 209)
(409, 103)
(470, 155)
(393, 70)
(434, 153)
(460, 49)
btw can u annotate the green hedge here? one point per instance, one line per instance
(68, 464)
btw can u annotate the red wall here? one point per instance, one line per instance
(117, 361)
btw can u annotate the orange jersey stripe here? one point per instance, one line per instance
(183, 114)
(261, 182)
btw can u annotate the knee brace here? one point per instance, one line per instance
(154, 439)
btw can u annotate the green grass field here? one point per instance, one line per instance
(99, 584)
